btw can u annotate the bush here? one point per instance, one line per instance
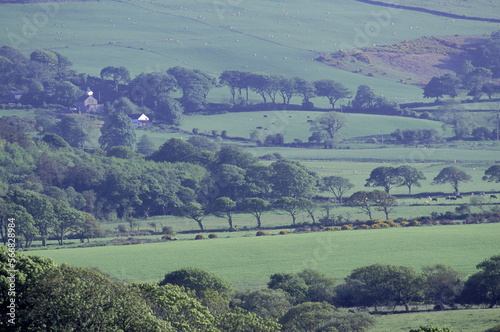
(199, 237)
(212, 236)
(233, 229)
(346, 228)
(261, 233)
(414, 223)
(404, 224)
(390, 223)
(384, 225)
(376, 226)
(284, 232)
(167, 230)
(166, 237)
(363, 226)
(447, 222)
(337, 228)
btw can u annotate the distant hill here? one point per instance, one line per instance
(411, 61)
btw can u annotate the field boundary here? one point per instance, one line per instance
(429, 11)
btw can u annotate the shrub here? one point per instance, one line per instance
(390, 223)
(364, 226)
(233, 229)
(414, 223)
(384, 225)
(167, 230)
(346, 228)
(284, 232)
(337, 228)
(121, 229)
(212, 236)
(404, 224)
(166, 237)
(376, 226)
(199, 237)
(261, 233)
(447, 222)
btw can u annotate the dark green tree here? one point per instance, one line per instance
(265, 303)
(117, 130)
(442, 284)
(291, 179)
(492, 174)
(446, 85)
(256, 207)
(308, 316)
(453, 176)
(328, 125)
(484, 286)
(116, 75)
(384, 176)
(223, 207)
(365, 98)
(337, 185)
(453, 115)
(332, 90)
(145, 145)
(410, 176)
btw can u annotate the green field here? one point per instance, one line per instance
(459, 320)
(294, 125)
(248, 262)
(215, 36)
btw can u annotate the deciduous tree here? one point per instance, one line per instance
(453, 176)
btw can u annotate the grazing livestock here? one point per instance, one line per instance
(435, 199)
(259, 127)
(493, 196)
(265, 115)
(308, 116)
(309, 120)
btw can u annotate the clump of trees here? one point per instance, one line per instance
(62, 297)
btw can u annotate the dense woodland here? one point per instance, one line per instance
(191, 299)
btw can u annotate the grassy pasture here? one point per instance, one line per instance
(294, 125)
(248, 262)
(459, 320)
(283, 39)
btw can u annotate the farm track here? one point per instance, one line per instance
(429, 11)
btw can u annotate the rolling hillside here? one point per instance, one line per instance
(284, 38)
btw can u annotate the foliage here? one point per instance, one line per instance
(337, 185)
(328, 125)
(199, 281)
(332, 90)
(117, 130)
(442, 284)
(453, 176)
(308, 316)
(237, 320)
(265, 303)
(492, 174)
(199, 237)
(83, 299)
(445, 85)
(453, 114)
(255, 206)
(484, 286)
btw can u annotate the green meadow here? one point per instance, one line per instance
(248, 262)
(257, 36)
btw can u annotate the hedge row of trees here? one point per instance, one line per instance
(55, 189)
(64, 297)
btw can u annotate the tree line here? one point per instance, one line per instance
(58, 190)
(190, 299)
